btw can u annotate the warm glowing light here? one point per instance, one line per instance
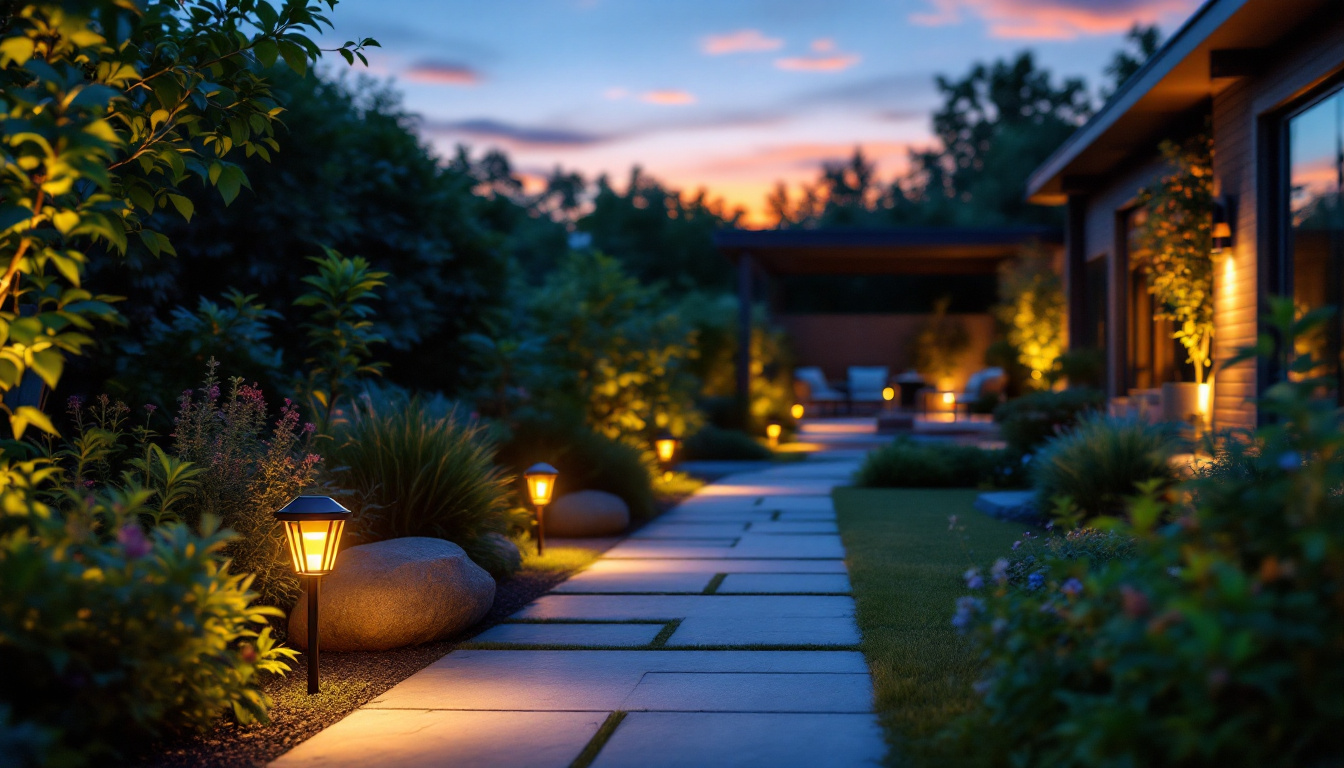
(540, 480)
(772, 431)
(949, 398)
(797, 410)
(1204, 400)
(1036, 375)
(313, 527)
(666, 448)
(888, 393)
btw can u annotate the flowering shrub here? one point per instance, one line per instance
(246, 474)
(1219, 642)
(109, 635)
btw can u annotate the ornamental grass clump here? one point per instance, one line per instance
(907, 464)
(1218, 641)
(1095, 466)
(418, 474)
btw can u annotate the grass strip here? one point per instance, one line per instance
(713, 585)
(599, 740)
(905, 567)
(661, 638)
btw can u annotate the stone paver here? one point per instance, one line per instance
(837, 583)
(714, 697)
(748, 740)
(570, 634)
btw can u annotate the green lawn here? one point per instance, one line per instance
(906, 569)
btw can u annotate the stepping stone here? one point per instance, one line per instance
(751, 692)
(799, 516)
(677, 529)
(791, 526)
(743, 740)
(570, 634)
(836, 583)
(667, 607)
(765, 631)
(711, 567)
(580, 680)
(642, 549)
(615, 582)
(426, 739)
(798, 504)
(800, 546)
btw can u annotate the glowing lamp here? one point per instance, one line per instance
(540, 479)
(1204, 401)
(313, 527)
(797, 410)
(888, 393)
(773, 431)
(949, 398)
(665, 445)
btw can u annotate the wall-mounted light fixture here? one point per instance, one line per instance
(1224, 223)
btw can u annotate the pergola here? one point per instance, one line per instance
(761, 254)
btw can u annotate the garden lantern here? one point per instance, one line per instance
(540, 480)
(797, 410)
(665, 446)
(313, 527)
(888, 393)
(772, 431)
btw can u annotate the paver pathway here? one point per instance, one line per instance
(724, 630)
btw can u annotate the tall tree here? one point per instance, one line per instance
(1140, 44)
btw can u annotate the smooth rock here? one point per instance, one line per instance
(395, 593)
(587, 513)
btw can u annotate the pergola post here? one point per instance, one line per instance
(744, 276)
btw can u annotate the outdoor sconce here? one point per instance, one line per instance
(313, 527)
(665, 446)
(1204, 402)
(797, 410)
(1224, 216)
(772, 431)
(540, 480)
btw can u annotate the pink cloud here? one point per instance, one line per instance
(837, 63)
(442, 73)
(1054, 19)
(809, 156)
(668, 98)
(823, 45)
(741, 41)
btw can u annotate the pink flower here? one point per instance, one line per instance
(133, 541)
(309, 427)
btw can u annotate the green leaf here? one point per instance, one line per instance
(294, 56)
(183, 205)
(26, 415)
(231, 180)
(16, 49)
(266, 49)
(48, 364)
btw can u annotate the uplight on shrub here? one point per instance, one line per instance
(313, 527)
(540, 480)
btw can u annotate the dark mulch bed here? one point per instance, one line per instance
(349, 681)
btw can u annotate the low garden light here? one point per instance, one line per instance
(665, 446)
(540, 480)
(797, 410)
(888, 393)
(313, 527)
(773, 431)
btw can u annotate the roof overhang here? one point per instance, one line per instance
(909, 250)
(1220, 42)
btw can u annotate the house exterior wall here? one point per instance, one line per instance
(1241, 114)
(1242, 111)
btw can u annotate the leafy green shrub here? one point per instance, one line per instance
(424, 475)
(587, 460)
(1030, 420)
(248, 470)
(1100, 462)
(1032, 552)
(1219, 642)
(110, 637)
(714, 444)
(907, 464)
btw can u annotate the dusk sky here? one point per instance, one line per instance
(732, 95)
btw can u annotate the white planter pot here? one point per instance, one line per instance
(1180, 401)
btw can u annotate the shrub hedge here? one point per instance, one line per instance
(1028, 421)
(908, 464)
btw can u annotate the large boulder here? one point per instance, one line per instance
(587, 513)
(395, 593)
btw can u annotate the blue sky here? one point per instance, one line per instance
(732, 95)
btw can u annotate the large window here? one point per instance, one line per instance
(1315, 221)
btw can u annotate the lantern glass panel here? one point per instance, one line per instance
(666, 448)
(541, 488)
(313, 545)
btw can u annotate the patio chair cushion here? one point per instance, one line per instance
(820, 389)
(867, 382)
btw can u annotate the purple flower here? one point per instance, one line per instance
(133, 541)
(74, 403)
(309, 427)
(967, 608)
(1290, 461)
(1050, 526)
(1017, 545)
(999, 572)
(973, 578)
(151, 408)
(1035, 581)
(1072, 587)
(213, 392)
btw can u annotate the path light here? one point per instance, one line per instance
(772, 431)
(313, 526)
(665, 446)
(797, 410)
(541, 487)
(888, 393)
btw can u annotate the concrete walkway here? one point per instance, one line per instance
(724, 631)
